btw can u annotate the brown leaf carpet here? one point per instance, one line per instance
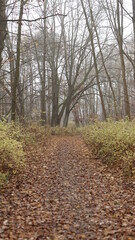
(64, 194)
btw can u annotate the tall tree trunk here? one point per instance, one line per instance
(133, 19)
(123, 68)
(2, 27)
(55, 79)
(31, 92)
(43, 79)
(17, 72)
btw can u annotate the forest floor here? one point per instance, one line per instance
(65, 193)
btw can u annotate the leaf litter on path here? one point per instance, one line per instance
(64, 194)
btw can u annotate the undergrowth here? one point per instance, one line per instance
(114, 142)
(13, 139)
(33, 134)
(11, 151)
(64, 131)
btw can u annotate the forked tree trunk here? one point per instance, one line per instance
(105, 68)
(95, 62)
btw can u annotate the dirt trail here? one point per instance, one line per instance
(66, 194)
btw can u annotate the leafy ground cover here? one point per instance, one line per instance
(114, 142)
(13, 139)
(66, 194)
(11, 151)
(71, 130)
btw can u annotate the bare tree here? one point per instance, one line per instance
(115, 17)
(61, 66)
(91, 35)
(104, 64)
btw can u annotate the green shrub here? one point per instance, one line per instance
(34, 133)
(13, 139)
(11, 151)
(114, 142)
(11, 154)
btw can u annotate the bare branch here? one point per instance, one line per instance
(33, 20)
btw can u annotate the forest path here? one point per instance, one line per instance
(64, 194)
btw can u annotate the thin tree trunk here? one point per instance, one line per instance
(95, 62)
(43, 79)
(12, 60)
(133, 19)
(105, 68)
(123, 68)
(2, 27)
(31, 92)
(17, 72)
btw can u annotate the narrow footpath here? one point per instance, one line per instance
(66, 194)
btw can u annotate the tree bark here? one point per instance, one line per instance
(123, 68)
(133, 19)
(67, 112)
(55, 99)
(2, 27)
(43, 79)
(17, 72)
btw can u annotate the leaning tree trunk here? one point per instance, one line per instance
(105, 68)
(95, 61)
(3, 24)
(66, 117)
(67, 110)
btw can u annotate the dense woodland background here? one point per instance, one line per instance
(62, 60)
